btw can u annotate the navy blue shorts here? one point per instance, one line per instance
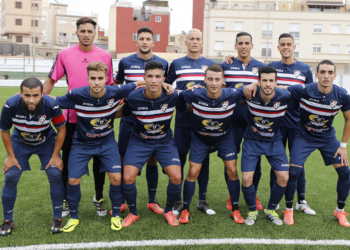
(238, 136)
(80, 156)
(274, 151)
(200, 149)
(23, 152)
(125, 129)
(182, 138)
(139, 152)
(288, 133)
(305, 147)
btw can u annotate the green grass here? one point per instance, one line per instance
(33, 211)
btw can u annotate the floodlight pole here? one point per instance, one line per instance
(33, 7)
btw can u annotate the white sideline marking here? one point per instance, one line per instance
(182, 242)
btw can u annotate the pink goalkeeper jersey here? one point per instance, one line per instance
(72, 62)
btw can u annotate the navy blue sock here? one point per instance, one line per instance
(57, 195)
(152, 182)
(183, 159)
(276, 196)
(249, 196)
(116, 196)
(203, 179)
(73, 199)
(234, 190)
(8, 202)
(273, 178)
(188, 192)
(301, 185)
(173, 191)
(294, 173)
(257, 175)
(343, 185)
(130, 194)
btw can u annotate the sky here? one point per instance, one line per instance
(181, 14)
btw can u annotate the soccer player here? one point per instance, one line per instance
(320, 102)
(188, 71)
(72, 62)
(242, 71)
(151, 135)
(96, 106)
(212, 110)
(31, 113)
(132, 69)
(263, 137)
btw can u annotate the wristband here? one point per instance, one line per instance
(343, 145)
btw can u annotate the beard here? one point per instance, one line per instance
(145, 52)
(27, 111)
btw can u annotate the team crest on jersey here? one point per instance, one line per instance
(190, 84)
(225, 105)
(333, 104)
(317, 121)
(153, 128)
(238, 85)
(204, 67)
(42, 119)
(255, 70)
(262, 123)
(164, 107)
(276, 105)
(296, 73)
(110, 102)
(211, 125)
(100, 124)
(31, 137)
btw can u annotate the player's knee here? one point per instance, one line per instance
(232, 173)
(115, 179)
(175, 178)
(247, 180)
(128, 178)
(54, 175)
(282, 180)
(11, 179)
(152, 161)
(192, 175)
(74, 181)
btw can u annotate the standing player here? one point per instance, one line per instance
(132, 69)
(31, 113)
(212, 111)
(189, 71)
(242, 71)
(151, 135)
(320, 102)
(72, 63)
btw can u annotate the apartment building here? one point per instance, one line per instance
(321, 29)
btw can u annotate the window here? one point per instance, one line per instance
(347, 49)
(43, 19)
(134, 37)
(19, 22)
(219, 45)
(74, 23)
(19, 39)
(43, 32)
(346, 70)
(36, 39)
(74, 36)
(267, 30)
(62, 22)
(348, 29)
(264, 48)
(36, 23)
(220, 25)
(335, 29)
(35, 6)
(172, 39)
(48, 54)
(238, 26)
(157, 37)
(158, 19)
(316, 48)
(296, 51)
(18, 5)
(62, 35)
(334, 49)
(225, 7)
(294, 30)
(324, 8)
(318, 28)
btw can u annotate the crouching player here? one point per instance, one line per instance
(212, 107)
(96, 106)
(152, 136)
(31, 113)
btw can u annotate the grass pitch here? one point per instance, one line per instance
(33, 210)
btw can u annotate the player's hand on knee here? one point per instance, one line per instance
(10, 162)
(229, 59)
(343, 156)
(250, 90)
(55, 161)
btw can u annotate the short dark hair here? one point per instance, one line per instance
(32, 83)
(284, 35)
(146, 30)
(267, 70)
(327, 62)
(244, 34)
(153, 65)
(215, 68)
(85, 20)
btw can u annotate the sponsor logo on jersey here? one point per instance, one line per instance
(31, 137)
(317, 121)
(85, 60)
(262, 123)
(153, 128)
(276, 105)
(116, 166)
(204, 67)
(255, 70)
(56, 107)
(211, 125)
(234, 68)
(20, 116)
(296, 73)
(203, 103)
(7, 106)
(87, 104)
(186, 67)
(333, 104)
(254, 129)
(142, 108)
(238, 85)
(279, 70)
(110, 102)
(163, 107)
(314, 100)
(225, 104)
(135, 67)
(42, 118)
(190, 84)
(176, 159)
(100, 124)
(285, 165)
(230, 154)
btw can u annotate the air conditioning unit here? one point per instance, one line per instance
(220, 53)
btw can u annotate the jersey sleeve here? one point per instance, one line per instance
(124, 90)
(236, 96)
(110, 70)
(309, 78)
(66, 101)
(57, 117)
(57, 70)
(296, 91)
(6, 119)
(166, 70)
(346, 103)
(181, 104)
(126, 109)
(239, 91)
(120, 75)
(171, 76)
